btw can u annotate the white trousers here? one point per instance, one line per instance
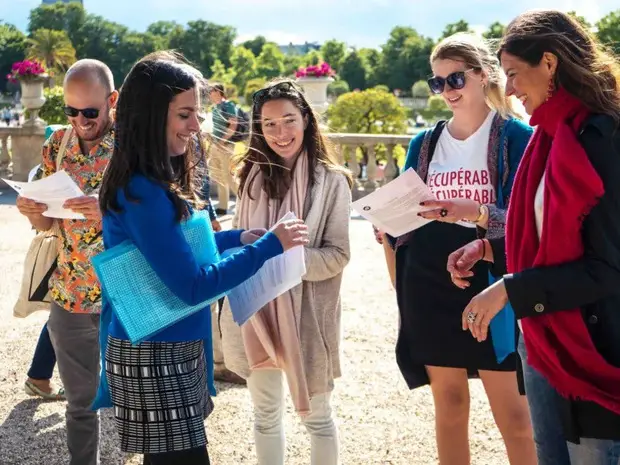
(267, 390)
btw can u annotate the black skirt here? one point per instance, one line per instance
(431, 307)
(160, 395)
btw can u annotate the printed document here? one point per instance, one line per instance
(53, 191)
(275, 277)
(394, 207)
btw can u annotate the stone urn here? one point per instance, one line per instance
(32, 99)
(315, 90)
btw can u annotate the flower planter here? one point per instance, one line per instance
(32, 99)
(315, 90)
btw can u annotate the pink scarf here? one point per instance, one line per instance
(271, 338)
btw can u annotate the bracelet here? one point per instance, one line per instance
(484, 249)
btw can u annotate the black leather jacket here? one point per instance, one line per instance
(591, 283)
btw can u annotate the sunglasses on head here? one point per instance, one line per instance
(455, 80)
(284, 86)
(89, 113)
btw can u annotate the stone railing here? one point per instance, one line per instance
(25, 150)
(26, 142)
(346, 146)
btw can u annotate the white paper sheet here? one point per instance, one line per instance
(53, 191)
(394, 207)
(275, 277)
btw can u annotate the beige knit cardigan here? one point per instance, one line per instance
(327, 214)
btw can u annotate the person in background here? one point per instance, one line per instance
(469, 164)
(225, 123)
(39, 382)
(221, 373)
(73, 323)
(149, 188)
(289, 168)
(561, 256)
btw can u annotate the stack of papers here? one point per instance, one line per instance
(53, 191)
(277, 276)
(394, 207)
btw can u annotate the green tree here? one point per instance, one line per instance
(221, 73)
(255, 45)
(244, 67)
(134, 46)
(453, 28)
(609, 30)
(53, 108)
(337, 88)
(372, 111)
(333, 52)
(252, 86)
(353, 71)
(405, 58)
(165, 30)
(420, 90)
(52, 48)
(270, 62)
(203, 42)
(313, 57)
(12, 49)
(291, 64)
(495, 31)
(67, 17)
(436, 109)
(580, 19)
(372, 63)
(105, 44)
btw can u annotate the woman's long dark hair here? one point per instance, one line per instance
(140, 137)
(276, 176)
(585, 69)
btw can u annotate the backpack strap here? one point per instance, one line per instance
(63, 147)
(428, 149)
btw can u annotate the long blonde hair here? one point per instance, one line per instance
(475, 53)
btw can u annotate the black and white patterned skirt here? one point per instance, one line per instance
(160, 395)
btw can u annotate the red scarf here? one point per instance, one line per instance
(558, 344)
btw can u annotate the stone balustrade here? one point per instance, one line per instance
(26, 142)
(346, 146)
(25, 149)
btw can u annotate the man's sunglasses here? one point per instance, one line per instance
(284, 86)
(455, 80)
(89, 113)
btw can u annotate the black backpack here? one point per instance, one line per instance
(243, 126)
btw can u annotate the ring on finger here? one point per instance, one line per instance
(443, 212)
(471, 317)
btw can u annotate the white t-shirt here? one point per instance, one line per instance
(459, 168)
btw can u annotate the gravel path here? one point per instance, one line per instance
(380, 421)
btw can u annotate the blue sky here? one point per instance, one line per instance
(360, 23)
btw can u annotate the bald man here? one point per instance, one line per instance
(83, 151)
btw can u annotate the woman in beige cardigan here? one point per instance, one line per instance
(289, 168)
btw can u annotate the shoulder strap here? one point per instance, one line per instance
(63, 147)
(428, 149)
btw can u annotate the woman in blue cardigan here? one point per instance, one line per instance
(159, 387)
(468, 163)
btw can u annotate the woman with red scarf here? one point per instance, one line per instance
(562, 246)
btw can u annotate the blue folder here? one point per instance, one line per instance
(123, 272)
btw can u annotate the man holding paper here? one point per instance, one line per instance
(82, 151)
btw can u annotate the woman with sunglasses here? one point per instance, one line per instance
(159, 387)
(469, 163)
(562, 247)
(289, 167)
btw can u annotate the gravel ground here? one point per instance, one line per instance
(380, 420)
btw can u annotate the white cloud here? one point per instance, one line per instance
(279, 37)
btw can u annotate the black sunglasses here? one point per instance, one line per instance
(455, 80)
(89, 113)
(284, 86)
